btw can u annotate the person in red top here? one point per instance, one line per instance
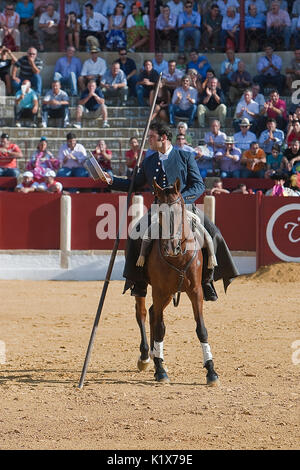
(293, 132)
(132, 155)
(275, 108)
(103, 156)
(9, 153)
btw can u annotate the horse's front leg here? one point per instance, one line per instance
(141, 313)
(158, 330)
(196, 297)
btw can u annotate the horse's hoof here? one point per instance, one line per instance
(162, 377)
(212, 380)
(143, 364)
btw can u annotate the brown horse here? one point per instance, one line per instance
(174, 265)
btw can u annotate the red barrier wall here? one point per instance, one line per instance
(30, 221)
(279, 231)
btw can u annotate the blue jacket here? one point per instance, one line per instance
(179, 164)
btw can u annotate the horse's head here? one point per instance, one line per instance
(171, 217)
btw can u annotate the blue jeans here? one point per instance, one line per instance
(9, 172)
(78, 172)
(142, 92)
(245, 173)
(230, 174)
(69, 82)
(61, 112)
(175, 110)
(36, 83)
(184, 34)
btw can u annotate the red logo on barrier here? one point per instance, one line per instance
(283, 233)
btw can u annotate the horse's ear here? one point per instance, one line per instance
(177, 185)
(156, 187)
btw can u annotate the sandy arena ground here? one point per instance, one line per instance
(45, 328)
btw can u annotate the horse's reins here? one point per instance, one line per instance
(182, 272)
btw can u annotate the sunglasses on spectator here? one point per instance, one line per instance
(123, 53)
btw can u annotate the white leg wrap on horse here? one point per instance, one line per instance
(207, 355)
(158, 350)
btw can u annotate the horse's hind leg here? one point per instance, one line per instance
(141, 313)
(197, 302)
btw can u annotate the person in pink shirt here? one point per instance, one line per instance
(275, 108)
(278, 24)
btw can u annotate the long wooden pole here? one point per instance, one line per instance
(116, 244)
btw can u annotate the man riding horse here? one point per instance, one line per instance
(164, 166)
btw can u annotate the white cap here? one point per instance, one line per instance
(50, 173)
(29, 174)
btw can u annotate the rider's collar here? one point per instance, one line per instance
(164, 156)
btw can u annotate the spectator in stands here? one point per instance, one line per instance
(73, 27)
(293, 132)
(162, 102)
(274, 161)
(253, 162)
(211, 103)
(181, 63)
(212, 22)
(67, 70)
(172, 77)
(293, 71)
(204, 158)
(116, 36)
(255, 27)
(114, 84)
(146, 82)
(189, 26)
(228, 67)
(49, 184)
(48, 27)
(166, 27)
(274, 108)
(9, 153)
(138, 25)
(27, 185)
(202, 85)
(30, 69)
(40, 6)
(184, 102)
(132, 155)
(218, 188)
(71, 156)
(159, 63)
(269, 67)
(92, 69)
(42, 160)
(239, 82)
(195, 78)
(103, 156)
(224, 4)
(9, 27)
(215, 138)
(242, 189)
(56, 105)
(7, 58)
(257, 96)
(91, 104)
(72, 6)
(278, 25)
(26, 104)
(182, 128)
(245, 137)
(230, 28)
(246, 108)
(270, 136)
(128, 66)
(176, 7)
(279, 188)
(291, 156)
(182, 144)
(259, 4)
(229, 159)
(25, 10)
(199, 63)
(93, 24)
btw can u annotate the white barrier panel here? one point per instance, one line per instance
(210, 208)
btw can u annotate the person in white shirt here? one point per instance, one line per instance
(48, 26)
(165, 27)
(224, 4)
(176, 7)
(172, 77)
(9, 25)
(93, 24)
(71, 156)
(159, 63)
(184, 102)
(246, 108)
(93, 68)
(230, 27)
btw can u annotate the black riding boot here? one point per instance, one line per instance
(139, 289)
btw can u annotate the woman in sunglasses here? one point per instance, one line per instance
(116, 37)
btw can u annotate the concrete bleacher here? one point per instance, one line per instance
(125, 122)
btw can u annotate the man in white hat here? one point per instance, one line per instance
(50, 185)
(245, 137)
(93, 68)
(229, 159)
(27, 185)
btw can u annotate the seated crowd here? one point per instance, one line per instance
(266, 132)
